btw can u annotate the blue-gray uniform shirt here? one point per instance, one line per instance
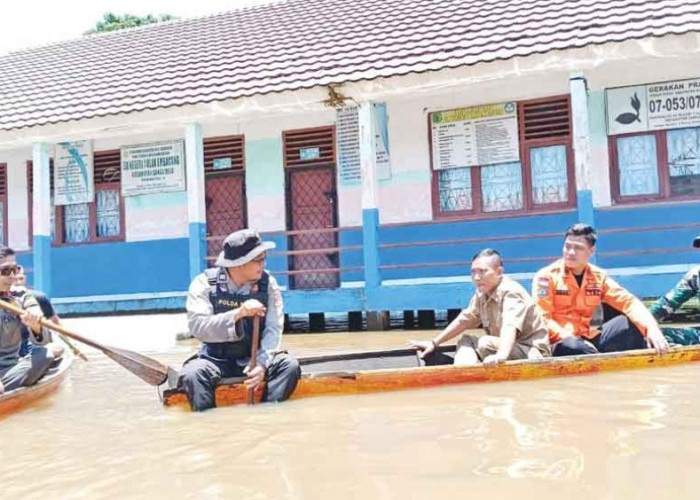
(11, 329)
(209, 327)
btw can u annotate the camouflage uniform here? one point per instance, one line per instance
(687, 288)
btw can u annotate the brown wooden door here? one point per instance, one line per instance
(224, 190)
(311, 207)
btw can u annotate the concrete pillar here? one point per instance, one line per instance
(370, 212)
(196, 207)
(582, 147)
(370, 217)
(41, 217)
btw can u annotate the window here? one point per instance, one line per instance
(3, 204)
(101, 220)
(658, 165)
(543, 179)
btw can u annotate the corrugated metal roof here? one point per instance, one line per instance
(301, 44)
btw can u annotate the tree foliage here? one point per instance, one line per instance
(113, 22)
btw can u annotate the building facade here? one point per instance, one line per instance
(379, 153)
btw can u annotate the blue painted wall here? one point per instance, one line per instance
(276, 262)
(351, 258)
(120, 268)
(538, 248)
(163, 266)
(654, 241)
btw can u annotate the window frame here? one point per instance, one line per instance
(59, 229)
(92, 214)
(524, 145)
(662, 169)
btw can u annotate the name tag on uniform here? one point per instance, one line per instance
(228, 303)
(562, 292)
(592, 291)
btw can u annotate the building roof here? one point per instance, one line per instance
(300, 44)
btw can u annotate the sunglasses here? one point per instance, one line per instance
(9, 270)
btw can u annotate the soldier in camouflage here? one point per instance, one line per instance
(687, 288)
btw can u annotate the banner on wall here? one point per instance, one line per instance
(348, 144)
(381, 140)
(347, 129)
(153, 168)
(655, 106)
(477, 135)
(73, 175)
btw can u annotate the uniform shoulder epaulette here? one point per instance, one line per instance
(212, 274)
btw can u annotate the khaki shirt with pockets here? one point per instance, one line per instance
(509, 304)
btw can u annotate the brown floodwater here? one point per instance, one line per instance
(628, 435)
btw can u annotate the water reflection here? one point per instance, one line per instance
(517, 449)
(105, 435)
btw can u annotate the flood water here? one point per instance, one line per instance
(628, 435)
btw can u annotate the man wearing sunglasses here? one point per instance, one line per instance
(16, 371)
(221, 305)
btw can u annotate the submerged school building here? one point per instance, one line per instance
(380, 144)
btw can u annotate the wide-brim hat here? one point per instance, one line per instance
(241, 247)
(696, 241)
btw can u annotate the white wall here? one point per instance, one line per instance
(17, 201)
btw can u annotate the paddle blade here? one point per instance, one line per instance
(147, 369)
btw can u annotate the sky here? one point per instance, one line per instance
(29, 23)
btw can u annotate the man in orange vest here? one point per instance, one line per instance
(570, 290)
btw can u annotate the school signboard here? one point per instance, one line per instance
(153, 168)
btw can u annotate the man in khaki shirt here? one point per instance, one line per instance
(513, 325)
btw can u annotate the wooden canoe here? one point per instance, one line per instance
(17, 399)
(398, 369)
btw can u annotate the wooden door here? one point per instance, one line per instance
(311, 207)
(225, 198)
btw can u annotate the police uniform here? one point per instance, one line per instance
(16, 371)
(568, 308)
(226, 344)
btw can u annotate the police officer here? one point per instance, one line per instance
(221, 305)
(571, 289)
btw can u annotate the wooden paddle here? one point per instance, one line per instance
(72, 347)
(147, 369)
(254, 356)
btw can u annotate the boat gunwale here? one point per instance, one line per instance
(358, 382)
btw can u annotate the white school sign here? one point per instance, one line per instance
(153, 168)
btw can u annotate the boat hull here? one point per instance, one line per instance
(232, 392)
(16, 400)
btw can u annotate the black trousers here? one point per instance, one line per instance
(28, 370)
(199, 377)
(618, 334)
